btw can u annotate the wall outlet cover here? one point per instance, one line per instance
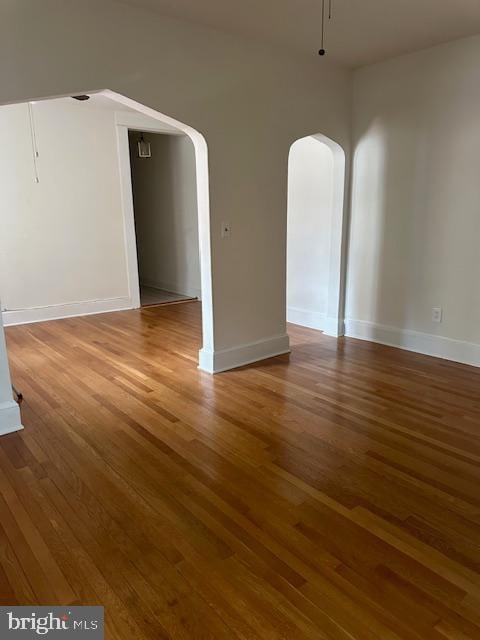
(437, 314)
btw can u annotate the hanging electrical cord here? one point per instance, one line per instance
(33, 137)
(322, 46)
(322, 51)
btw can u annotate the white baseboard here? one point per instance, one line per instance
(425, 343)
(10, 420)
(306, 318)
(225, 359)
(69, 310)
(316, 320)
(183, 289)
(334, 327)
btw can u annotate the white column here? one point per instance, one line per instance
(9, 411)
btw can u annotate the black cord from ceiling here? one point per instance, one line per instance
(322, 47)
(322, 51)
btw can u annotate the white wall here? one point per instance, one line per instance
(416, 191)
(62, 246)
(166, 219)
(310, 200)
(249, 100)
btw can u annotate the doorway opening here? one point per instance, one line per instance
(316, 181)
(165, 213)
(69, 229)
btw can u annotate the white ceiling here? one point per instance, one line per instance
(361, 32)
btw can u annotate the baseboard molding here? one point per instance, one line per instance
(233, 357)
(69, 310)
(10, 420)
(315, 320)
(334, 327)
(425, 343)
(306, 318)
(183, 289)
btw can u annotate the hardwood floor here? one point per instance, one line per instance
(333, 493)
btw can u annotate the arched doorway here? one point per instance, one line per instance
(203, 209)
(124, 243)
(316, 188)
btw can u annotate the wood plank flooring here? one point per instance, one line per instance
(330, 494)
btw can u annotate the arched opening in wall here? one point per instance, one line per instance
(316, 186)
(68, 224)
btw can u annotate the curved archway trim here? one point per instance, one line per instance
(203, 207)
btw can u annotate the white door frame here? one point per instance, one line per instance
(126, 122)
(128, 216)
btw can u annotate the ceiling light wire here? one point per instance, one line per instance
(322, 47)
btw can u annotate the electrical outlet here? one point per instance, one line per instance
(437, 314)
(226, 230)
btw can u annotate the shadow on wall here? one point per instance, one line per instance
(413, 226)
(386, 230)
